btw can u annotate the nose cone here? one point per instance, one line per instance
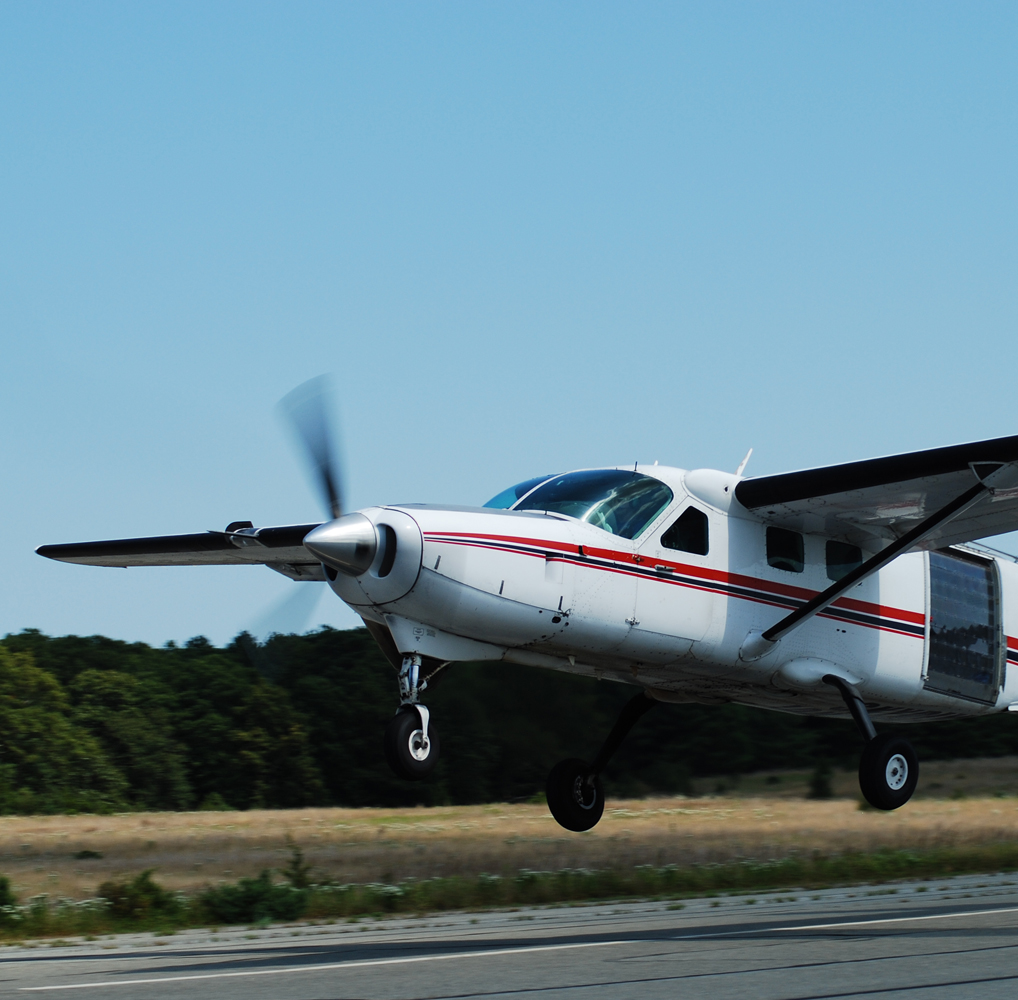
(347, 544)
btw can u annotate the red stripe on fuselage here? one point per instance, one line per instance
(705, 573)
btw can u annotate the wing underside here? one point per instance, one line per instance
(880, 499)
(279, 548)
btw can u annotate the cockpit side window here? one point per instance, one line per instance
(508, 497)
(689, 533)
(623, 503)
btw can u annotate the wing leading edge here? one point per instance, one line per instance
(883, 498)
(280, 548)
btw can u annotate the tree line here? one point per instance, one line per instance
(92, 724)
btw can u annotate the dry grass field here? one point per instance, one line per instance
(766, 816)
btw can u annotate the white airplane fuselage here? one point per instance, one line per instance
(553, 591)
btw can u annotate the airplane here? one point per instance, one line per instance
(856, 590)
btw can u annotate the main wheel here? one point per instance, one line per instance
(574, 802)
(410, 753)
(888, 771)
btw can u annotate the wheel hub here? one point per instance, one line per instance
(896, 772)
(419, 745)
(584, 793)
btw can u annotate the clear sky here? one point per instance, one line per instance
(523, 237)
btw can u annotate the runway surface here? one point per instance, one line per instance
(953, 938)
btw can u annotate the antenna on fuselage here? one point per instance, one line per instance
(742, 464)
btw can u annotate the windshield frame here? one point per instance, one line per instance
(596, 508)
(530, 484)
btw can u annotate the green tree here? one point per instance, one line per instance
(96, 723)
(137, 737)
(277, 767)
(47, 762)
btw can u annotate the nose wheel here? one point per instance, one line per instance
(411, 743)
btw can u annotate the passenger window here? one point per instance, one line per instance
(842, 558)
(689, 533)
(784, 550)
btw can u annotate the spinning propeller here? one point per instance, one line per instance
(347, 543)
(307, 410)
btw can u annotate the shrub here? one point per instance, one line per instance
(214, 802)
(8, 903)
(820, 782)
(7, 897)
(253, 899)
(139, 898)
(297, 871)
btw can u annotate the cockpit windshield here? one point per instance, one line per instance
(623, 503)
(508, 497)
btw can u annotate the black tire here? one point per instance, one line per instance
(888, 771)
(574, 802)
(407, 757)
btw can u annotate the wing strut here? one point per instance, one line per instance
(757, 643)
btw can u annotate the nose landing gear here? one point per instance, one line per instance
(888, 768)
(575, 795)
(411, 742)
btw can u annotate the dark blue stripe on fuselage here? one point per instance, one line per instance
(678, 579)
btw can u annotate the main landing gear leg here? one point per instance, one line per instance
(575, 796)
(888, 768)
(411, 743)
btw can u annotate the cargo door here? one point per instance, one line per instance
(964, 651)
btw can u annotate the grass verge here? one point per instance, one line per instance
(140, 905)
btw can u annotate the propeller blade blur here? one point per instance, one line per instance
(290, 615)
(307, 408)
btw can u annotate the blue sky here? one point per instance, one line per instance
(521, 237)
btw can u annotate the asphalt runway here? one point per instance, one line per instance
(954, 938)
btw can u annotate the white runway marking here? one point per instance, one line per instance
(366, 963)
(898, 920)
(449, 956)
(846, 923)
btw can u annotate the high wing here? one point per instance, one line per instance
(280, 548)
(881, 499)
